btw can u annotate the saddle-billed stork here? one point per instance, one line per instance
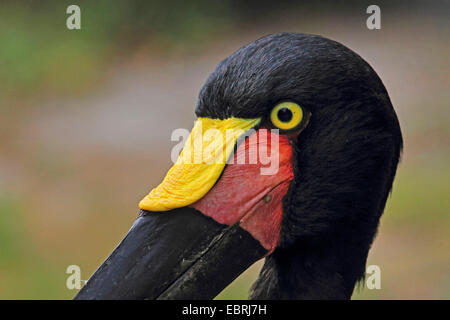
(313, 219)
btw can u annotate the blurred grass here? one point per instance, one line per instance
(420, 196)
(9, 228)
(28, 275)
(40, 56)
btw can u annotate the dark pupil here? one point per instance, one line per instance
(285, 115)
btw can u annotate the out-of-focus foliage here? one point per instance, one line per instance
(38, 52)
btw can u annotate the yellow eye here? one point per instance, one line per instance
(286, 115)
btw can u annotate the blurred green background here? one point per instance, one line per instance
(83, 111)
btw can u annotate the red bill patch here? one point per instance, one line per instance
(252, 186)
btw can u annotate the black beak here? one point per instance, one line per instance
(179, 254)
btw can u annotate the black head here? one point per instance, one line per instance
(345, 160)
(343, 163)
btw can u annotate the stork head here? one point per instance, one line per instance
(292, 158)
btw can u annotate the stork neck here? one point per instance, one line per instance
(309, 272)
